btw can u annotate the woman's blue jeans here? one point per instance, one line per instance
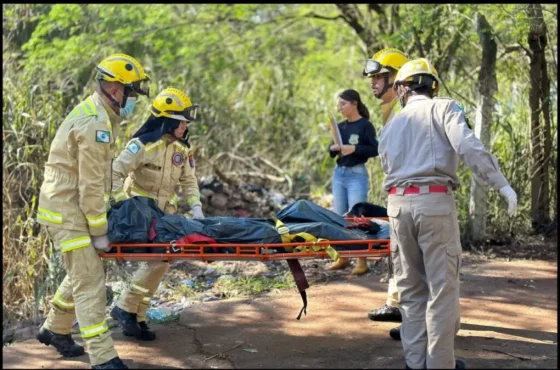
(350, 185)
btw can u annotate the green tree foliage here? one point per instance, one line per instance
(265, 77)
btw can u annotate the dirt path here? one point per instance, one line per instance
(509, 320)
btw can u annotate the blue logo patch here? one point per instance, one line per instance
(133, 148)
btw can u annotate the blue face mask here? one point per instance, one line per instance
(128, 107)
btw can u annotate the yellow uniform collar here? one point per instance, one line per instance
(386, 110)
(114, 118)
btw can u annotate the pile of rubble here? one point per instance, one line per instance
(223, 199)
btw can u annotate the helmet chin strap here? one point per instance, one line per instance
(113, 100)
(380, 94)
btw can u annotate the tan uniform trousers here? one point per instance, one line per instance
(136, 298)
(425, 248)
(82, 293)
(392, 293)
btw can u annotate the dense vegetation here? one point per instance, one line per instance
(265, 77)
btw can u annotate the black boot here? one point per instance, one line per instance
(458, 365)
(127, 321)
(146, 334)
(395, 333)
(385, 313)
(114, 363)
(64, 344)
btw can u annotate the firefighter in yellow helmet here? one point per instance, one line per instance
(420, 150)
(156, 160)
(73, 205)
(382, 69)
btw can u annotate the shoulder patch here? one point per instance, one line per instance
(133, 147)
(102, 136)
(191, 159)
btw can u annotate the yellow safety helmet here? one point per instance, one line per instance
(173, 103)
(126, 70)
(384, 61)
(416, 73)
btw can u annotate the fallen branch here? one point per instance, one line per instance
(522, 358)
(223, 176)
(255, 174)
(221, 354)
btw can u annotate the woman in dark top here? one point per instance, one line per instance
(350, 180)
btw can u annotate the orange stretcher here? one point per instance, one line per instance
(256, 252)
(248, 252)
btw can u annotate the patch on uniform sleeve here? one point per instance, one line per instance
(133, 147)
(178, 159)
(191, 159)
(102, 136)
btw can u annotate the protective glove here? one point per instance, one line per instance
(197, 212)
(101, 243)
(511, 197)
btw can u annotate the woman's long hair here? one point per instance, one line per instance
(354, 96)
(156, 127)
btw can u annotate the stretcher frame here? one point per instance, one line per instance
(249, 252)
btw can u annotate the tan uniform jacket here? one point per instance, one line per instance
(390, 110)
(155, 169)
(422, 145)
(77, 182)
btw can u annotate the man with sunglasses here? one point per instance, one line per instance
(382, 69)
(158, 158)
(73, 205)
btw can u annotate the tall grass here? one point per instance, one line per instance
(271, 110)
(30, 270)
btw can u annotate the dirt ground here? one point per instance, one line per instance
(509, 320)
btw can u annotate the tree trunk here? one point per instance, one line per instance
(539, 96)
(486, 88)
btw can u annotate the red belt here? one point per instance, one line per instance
(416, 189)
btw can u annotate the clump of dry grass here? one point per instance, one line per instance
(30, 272)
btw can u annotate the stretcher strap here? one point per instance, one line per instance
(284, 232)
(301, 283)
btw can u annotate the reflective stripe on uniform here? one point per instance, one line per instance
(70, 245)
(92, 331)
(134, 286)
(96, 221)
(61, 302)
(55, 218)
(173, 200)
(90, 106)
(182, 148)
(119, 195)
(192, 200)
(154, 146)
(76, 111)
(106, 198)
(140, 193)
(146, 300)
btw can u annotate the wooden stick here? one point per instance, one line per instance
(222, 353)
